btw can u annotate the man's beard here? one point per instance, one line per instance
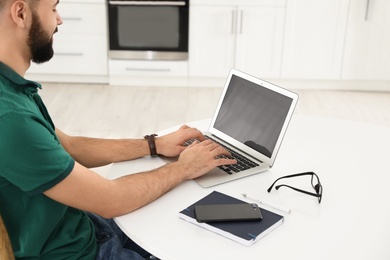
(40, 43)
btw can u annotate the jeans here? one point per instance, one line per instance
(113, 243)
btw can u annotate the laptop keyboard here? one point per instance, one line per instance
(243, 163)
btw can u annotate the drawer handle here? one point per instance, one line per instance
(68, 54)
(167, 3)
(140, 69)
(71, 18)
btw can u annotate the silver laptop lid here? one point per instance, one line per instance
(253, 115)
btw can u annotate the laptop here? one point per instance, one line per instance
(251, 119)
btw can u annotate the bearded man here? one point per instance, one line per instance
(53, 205)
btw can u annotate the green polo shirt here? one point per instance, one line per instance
(32, 160)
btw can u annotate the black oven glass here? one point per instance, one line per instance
(148, 27)
(151, 27)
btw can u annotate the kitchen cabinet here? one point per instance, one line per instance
(367, 51)
(80, 45)
(314, 39)
(247, 37)
(332, 41)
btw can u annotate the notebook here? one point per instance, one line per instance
(251, 118)
(243, 232)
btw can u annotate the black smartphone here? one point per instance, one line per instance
(227, 212)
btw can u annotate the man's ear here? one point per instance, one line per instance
(19, 11)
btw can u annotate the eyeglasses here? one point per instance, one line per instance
(317, 187)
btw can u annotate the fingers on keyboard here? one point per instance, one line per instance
(190, 141)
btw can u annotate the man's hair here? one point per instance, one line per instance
(4, 2)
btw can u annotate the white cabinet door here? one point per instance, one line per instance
(260, 40)
(367, 48)
(212, 40)
(76, 55)
(314, 39)
(80, 46)
(248, 38)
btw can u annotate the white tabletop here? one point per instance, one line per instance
(352, 221)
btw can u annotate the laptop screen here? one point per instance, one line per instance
(253, 114)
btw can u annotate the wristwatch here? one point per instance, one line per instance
(152, 144)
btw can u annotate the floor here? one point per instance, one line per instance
(120, 111)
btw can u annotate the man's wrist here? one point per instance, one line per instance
(152, 144)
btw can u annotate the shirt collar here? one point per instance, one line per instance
(29, 86)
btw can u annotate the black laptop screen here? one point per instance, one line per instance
(253, 114)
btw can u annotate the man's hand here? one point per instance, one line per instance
(172, 144)
(200, 158)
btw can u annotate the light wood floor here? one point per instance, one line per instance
(119, 111)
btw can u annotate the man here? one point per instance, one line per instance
(47, 193)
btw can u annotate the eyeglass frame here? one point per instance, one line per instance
(318, 187)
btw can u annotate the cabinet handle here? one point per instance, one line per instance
(367, 10)
(71, 18)
(141, 69)
(241, 20)
(233, 31)
(69, 54)
(168, 3)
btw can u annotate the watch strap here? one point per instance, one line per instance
(152, 144)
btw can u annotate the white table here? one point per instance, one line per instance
(352, 221)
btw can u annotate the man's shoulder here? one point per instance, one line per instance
(12, 100)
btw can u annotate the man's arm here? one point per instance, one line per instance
(95, 152)
(86, 190)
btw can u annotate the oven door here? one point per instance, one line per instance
(148, 30)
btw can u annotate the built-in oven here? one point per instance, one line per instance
(148, 30)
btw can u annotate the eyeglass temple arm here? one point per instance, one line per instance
(299, 190)
(290, 176)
